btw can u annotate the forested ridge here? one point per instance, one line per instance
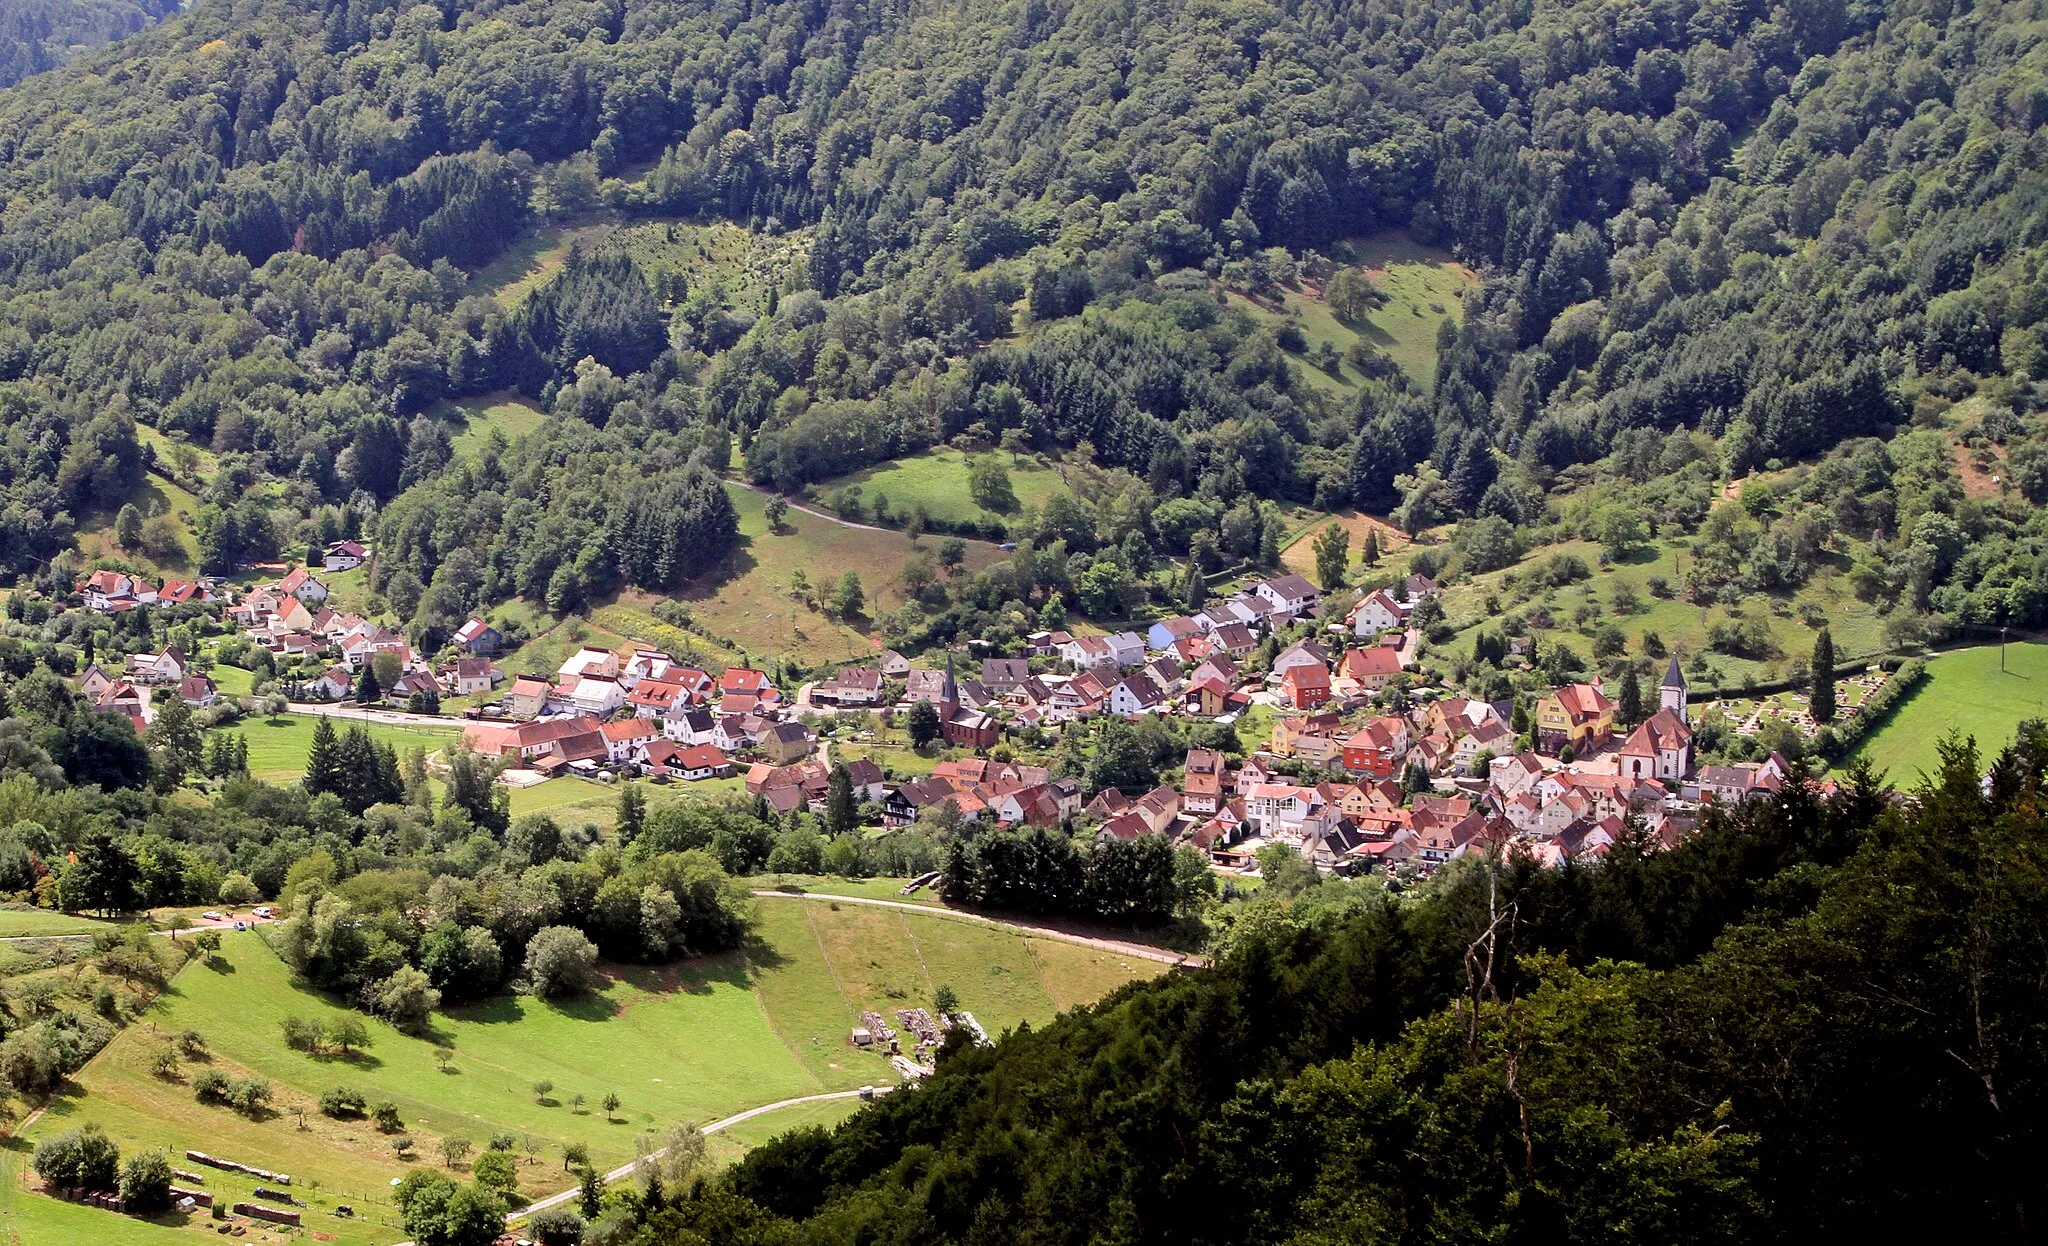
(38, 35)
(249, 227)
(1820, 1019)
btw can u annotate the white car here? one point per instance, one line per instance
(264, 911)
(213, 917)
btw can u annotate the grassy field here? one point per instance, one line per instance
(17, 922)
(1966, 693)
(1858, 627)
(682, 1043)
(502, 412)
(937, 481)
(748, 599)
(278, 746)
(159, 495)
(1300, 555)
(529, 262)
(1423, 286)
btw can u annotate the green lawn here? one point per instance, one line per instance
(502, 412)
(937, 481)
(689, 1042)
(19, 922)
(278, 746)
(1964, 692)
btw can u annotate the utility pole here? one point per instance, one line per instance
(2001, 651)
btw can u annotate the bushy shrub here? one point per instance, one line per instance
(342, 1102)
(146, 1181)
(83, 1158)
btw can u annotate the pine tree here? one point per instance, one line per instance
(1824, 677)
(1370, 555)
(367, 690)
(323, 759)
(591, 1198)
(1196, 590)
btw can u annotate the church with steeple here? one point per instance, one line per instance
(1661, 748)
(958, 725)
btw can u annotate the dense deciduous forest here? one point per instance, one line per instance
(1769, 223)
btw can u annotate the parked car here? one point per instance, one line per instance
(213, 917)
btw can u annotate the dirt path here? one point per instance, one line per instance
(798, 506)
(1037, 929)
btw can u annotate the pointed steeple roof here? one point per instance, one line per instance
(949, 692)
(1673, 677)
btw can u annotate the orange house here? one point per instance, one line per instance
(1306, 686)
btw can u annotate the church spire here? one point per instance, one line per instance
(1671, 693)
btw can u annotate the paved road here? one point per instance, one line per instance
(1139, 950)
(626, 1170)
(364, 713)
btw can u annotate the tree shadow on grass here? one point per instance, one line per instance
(354, 1059)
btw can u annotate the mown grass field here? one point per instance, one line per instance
(690, 1042)
(937, 482)
(278, 746)
(18, 922)
(1964, 693)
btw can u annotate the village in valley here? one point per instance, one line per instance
(1316, 729)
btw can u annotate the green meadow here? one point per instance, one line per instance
(690, 1042)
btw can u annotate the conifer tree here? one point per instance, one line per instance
(323, 759)
(1630, 700)
(1823, 705)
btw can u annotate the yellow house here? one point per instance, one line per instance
(1579, 715)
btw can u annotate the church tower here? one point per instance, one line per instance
(1671, 693)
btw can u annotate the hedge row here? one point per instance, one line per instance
(1838, 741)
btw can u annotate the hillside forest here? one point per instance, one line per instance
(1711, 237)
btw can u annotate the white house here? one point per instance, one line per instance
(344, 556)
(690, 726)
(1127, 649)
(1287, 594)
(595, 695)
(1376, 612)
(1136, 693)
(589, 661)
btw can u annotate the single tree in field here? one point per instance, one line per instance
(632, 813)
(1824, 677)
(945, 999)
(1370, 555)
(443, 1057)
(611, 1104)
(775, 512)
(541, 1090)
(576, 1103)
(1333, 551)
(575, 1155)
(453, 1149)
(348, 1033)
(850, 598)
